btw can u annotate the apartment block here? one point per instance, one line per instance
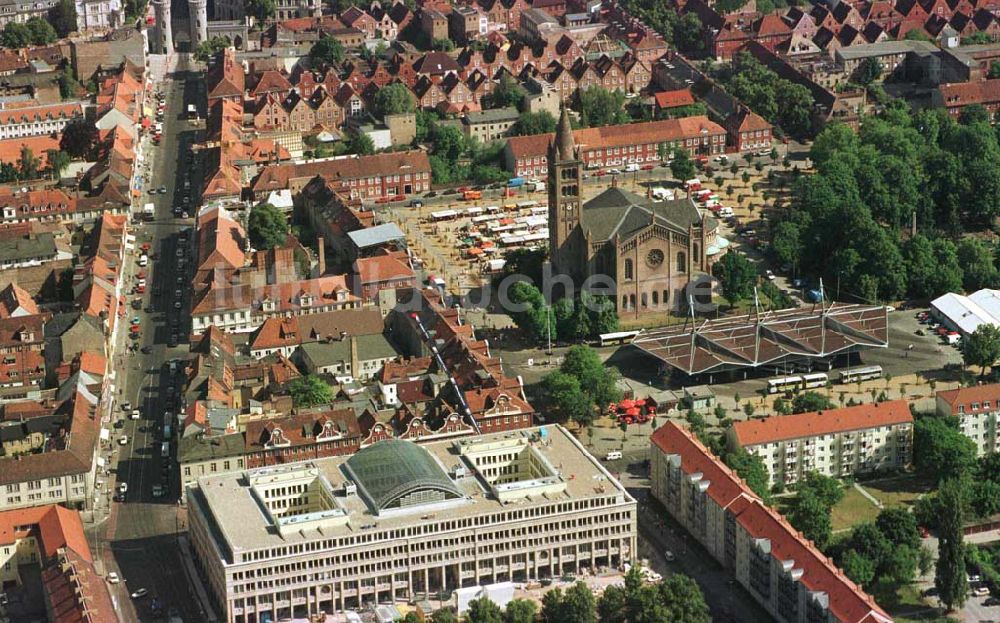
(401, 520)
(839, 442)
(978, 410)
(779, 568)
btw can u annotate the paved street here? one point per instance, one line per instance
(138, 539)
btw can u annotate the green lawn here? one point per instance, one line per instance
(852, 510)
(901, 491)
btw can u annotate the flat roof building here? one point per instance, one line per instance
(964, 314)
(398, 519)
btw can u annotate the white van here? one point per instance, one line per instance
(165, 449)
(632, 168)
(614, 455)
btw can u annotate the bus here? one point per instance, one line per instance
(856, 375)
(784, 384)
(618, 337)
(812, 381)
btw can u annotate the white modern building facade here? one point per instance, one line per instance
(978, 411)
(839, 443)
(401, 520)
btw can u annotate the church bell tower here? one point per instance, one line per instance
(565, 178)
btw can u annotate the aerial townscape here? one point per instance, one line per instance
(500, 311)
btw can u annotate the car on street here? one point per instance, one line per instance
(136, 414)
(123, 440)
(163, 190)
(669, 556)
(146, 349)
(177, 304)
(113, 578)
(172, 342)
(769, 275)
(981, 591)
(158, 491)
(126, 406)
(139, 594)
(122, 487)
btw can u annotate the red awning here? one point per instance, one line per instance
(146, 122)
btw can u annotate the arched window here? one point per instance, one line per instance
(656, 298)
(631, 301)
(645, 301)
(628, 269)
(666, 296)
(624, 302)
(681, 262)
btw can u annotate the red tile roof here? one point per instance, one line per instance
(45, 112)
(666, 130)
(965, 397)
(276, 177)
(381, 268)
(782, 427)
(54, 526)
(15, 300)
(847, 601)
(673, 99)
(966, 93)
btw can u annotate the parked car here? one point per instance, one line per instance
(123, 440)
(139, 594)
(113, 578)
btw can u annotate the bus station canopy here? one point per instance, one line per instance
(767, 338)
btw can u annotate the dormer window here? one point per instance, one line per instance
(306, 299)
(268, 305)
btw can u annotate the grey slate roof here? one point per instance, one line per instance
(618, 211)
(374, 236)
(40, 245)
(199, 448)
(370, 347)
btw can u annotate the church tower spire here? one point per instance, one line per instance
(566, 245)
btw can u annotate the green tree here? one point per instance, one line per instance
(508, 92)
(309, 391)
(63, 17)
(899, 527)
(916, 34)
(858, 567)
(828, 490)
(40, 31)
(208, 49)
(599, 107)
(597, 381)
(411, 617)
(932, 267)
(449, 143)
(69, 87)
(327, 51)
(683, 600)
(973, 113)
(520, 611)
(445, 615)
(689, 33)
(564, 399)
(982, 347)
(261, 10)
(811, 516)
(530, 123)
(736, 277)
(807, 402)
(394, 99)
(941, 450)
(786, 243)
(361, 144)
(58, 161)
(949, 574)
(682, 168)
(15, 36)
(28, 164)
(978, 264)
(751, 468)
(994, 70)
(868, 71)
(267, 227)
(483, 611)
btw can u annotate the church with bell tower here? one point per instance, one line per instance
(650, 249)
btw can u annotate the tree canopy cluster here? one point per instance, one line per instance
(35, 31)
(780, 101)
(394, 99)
(885, 552)
(599, 107)
(454, 157)
(676, 599)
(327, 51)
(267, 227)
(810, 510)
(850, 217)
(580, 387)
(941, 451)
(685, 32)
(568, 319)
(309, 391)
(208, 49)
